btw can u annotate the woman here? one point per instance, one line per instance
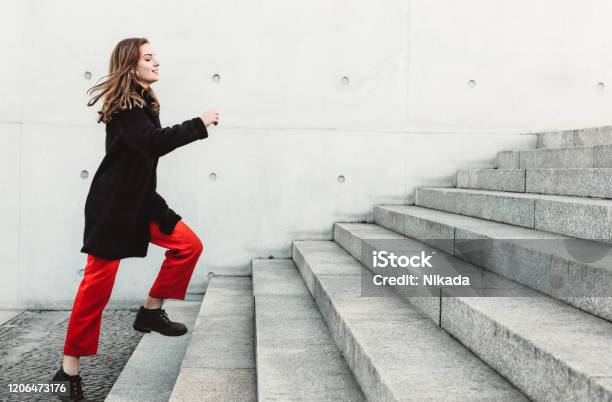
(123, 212)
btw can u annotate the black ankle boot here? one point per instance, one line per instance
(157, 320)
(74, 391)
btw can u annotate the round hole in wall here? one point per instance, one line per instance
(212, 176)
(344, 80)
(84, 174)
(601, 85)
(87, 75)
(216, 78)
(471, 83)
(341, 179)
(210, 275)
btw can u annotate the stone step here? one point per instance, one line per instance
(6, 315)
(599, 156)
(394, 351)
(578, 272)
(492, 179)
(296, 356)
(150, 375)
(585, 218)
(219, 363)
(575, 138)
(594, 182)
(548, 349)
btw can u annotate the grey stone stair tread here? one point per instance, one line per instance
(531, 257)
(297, 358)
(492, 179)
(578, 137)
(593, 156)
(550, 350)
(508, 159)
(531, 196)
(569, 157)
(7, 314)
(582, 217)
(490, 229)
(583, 182)
(593, 182)
(394, 351)
(151, 371)
(219, 362)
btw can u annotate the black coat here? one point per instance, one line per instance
(122, 197)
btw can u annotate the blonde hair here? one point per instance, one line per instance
(118, 90)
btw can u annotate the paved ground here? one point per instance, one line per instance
(31, 348)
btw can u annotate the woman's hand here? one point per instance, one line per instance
(211, 116)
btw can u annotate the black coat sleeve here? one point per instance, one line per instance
(137, 130)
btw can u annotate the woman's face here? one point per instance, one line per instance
(147, 70)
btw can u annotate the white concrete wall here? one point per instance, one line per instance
(289, 126)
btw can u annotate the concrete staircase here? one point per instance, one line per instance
(297, 358)
(536, 231)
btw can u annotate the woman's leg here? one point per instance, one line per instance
(184, 250)
(86, 317)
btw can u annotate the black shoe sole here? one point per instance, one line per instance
(147, 330)
(141, 329)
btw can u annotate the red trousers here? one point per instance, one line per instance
(184, 249)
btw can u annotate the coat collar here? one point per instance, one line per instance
(146, 95)
(144, 92)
